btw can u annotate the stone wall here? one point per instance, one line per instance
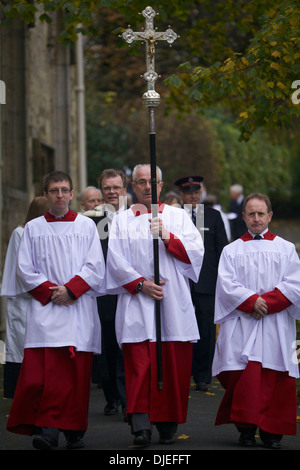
(38, 122)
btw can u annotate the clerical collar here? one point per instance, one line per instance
(266, 235)
(260, 234)
(69, 216)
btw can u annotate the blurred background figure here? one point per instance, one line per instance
(131, 197)
(91, 198)
(211, 201)
(172, 199)
(238, 226)
(16, 307)
(108, 367)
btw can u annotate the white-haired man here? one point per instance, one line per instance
(130, 272)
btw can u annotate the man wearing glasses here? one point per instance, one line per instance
(61, 266)
(130, 273)
(113, 188)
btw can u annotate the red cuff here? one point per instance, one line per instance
(42, 292)
(176, 248)
(248, 304)
(276, 301)
(77, 286)
(131, 286)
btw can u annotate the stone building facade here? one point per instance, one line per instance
(42, 124)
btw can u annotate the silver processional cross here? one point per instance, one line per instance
(151, 100)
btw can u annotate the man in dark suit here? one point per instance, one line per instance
(109, 367)
(211, 226)
(238, 226)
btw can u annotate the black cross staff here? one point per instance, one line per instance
(151, 100)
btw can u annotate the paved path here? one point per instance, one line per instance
(112, 434)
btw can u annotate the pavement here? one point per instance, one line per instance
(111, 435)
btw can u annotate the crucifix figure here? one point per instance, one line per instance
(151, 100)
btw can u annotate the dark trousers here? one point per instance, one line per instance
(203, 350)
(141, 421)
(114, 384)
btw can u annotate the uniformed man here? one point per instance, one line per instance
(211, 226)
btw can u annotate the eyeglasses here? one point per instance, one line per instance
(144, 182)
(55, 191)
(108, 189)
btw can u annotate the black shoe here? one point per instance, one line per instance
(111, 409)
(272, 444)
(270, 441)
(73, 444)
(41, 442)
(142, 438)
(74, 439)
(247, 438)
(201, 387)
(166, 438)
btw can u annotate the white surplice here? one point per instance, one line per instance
(56, 252)
(130, 256)
(16, 306)
(257, 267)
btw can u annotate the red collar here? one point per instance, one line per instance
(70, 216)
(140, 209)
(267, 236)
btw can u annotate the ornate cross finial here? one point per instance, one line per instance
(151, 98)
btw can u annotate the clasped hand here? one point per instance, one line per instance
(260, 308)
(60, 296)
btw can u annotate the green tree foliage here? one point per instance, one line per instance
(243, 54)
(196, 144)
(108, 139)
(235, 63)
(256, 83)
(259, 165)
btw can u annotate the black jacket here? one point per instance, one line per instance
(107, 304)
(215, 239)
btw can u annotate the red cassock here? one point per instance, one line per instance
(53, 390)
(169, 404)
(261, 397)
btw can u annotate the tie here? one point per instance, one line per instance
(257, 237)
(194, 216)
